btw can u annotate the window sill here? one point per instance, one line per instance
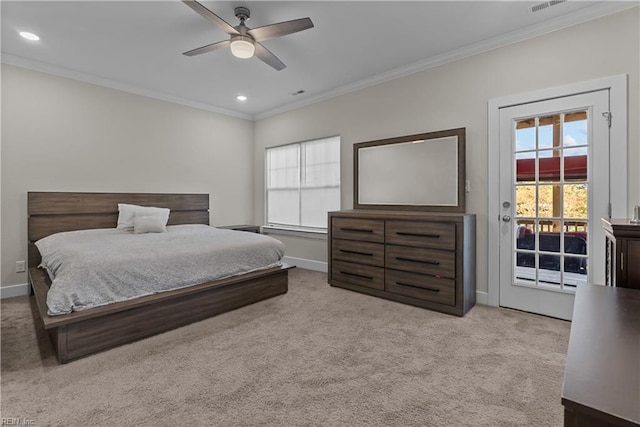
(321, 235)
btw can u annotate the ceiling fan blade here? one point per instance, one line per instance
(208, 48)
(267, 32)
(269, 58)
(211, 17)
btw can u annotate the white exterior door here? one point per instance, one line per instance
(554, 188)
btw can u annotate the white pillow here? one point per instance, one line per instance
(148, 224)
(128, 212)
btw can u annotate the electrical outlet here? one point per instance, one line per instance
(21, 267)
(467, 186)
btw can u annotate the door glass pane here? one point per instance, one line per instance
(526, 266)
(525, 135)
(526, 254)
(548, 132)
(551, 196)
(575, 227)
(526, 166)
(549, 272)
(575, 201)
(574, 129)
(549, 165)
(549, 242)
(546, 197)
(575, 164)
(576, 270)
(575, 243)
(526, 201)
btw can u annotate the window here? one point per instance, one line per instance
(303, 184)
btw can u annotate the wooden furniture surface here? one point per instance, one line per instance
(89, 331)
(622, 253)
(417, 258)
(55, 212)
(602, 372)
(457, 168)
(243, 227)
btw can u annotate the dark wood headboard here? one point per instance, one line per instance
(55, 212)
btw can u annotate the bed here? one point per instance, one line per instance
(85, 332)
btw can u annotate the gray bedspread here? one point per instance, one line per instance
(90, 268)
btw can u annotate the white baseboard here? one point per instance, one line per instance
(306, 263)
(482, 298)
(15, 290)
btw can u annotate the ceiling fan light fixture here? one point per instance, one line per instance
(244, 40)
(29, 36)
(242, 47)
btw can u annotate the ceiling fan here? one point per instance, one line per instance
(244, 41)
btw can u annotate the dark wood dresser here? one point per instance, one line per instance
(423, 259)
(602, 373)
(622, 253)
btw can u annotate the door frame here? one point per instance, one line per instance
(617, 86)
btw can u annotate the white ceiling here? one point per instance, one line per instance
(137, 45)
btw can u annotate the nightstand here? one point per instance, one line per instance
(244, 227)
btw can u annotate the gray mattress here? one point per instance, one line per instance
(91, 268)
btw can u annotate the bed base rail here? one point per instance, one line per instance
(82, 333)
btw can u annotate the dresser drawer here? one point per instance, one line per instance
(424, 234)
(366, 230)
(423, 287)
(357, 274)
(360, 252)
(421, 260)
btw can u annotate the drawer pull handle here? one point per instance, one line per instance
(356, 275)
(432, 236)
(418, 260)
(417, 287)
(355, 252)
(357, 230)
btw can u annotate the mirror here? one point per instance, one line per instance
(423, 172)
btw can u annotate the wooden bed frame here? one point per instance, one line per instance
(79, 334)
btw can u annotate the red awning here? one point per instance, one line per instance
(575, 167)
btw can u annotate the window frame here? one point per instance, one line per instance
(303, 230)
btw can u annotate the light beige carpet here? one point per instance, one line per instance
(316, 356)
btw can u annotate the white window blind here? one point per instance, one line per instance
(303, 183)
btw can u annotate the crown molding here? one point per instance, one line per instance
(43, 67)
(553, 24)
(599, 10)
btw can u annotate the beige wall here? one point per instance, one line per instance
(63, 135)
(455, 95)
(302, 247)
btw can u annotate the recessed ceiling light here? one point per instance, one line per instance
(29, 36)
(241, 98)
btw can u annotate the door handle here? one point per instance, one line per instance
(506, 218)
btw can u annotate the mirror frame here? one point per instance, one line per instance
(460, 207)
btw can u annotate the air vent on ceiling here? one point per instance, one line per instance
(546, 4)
